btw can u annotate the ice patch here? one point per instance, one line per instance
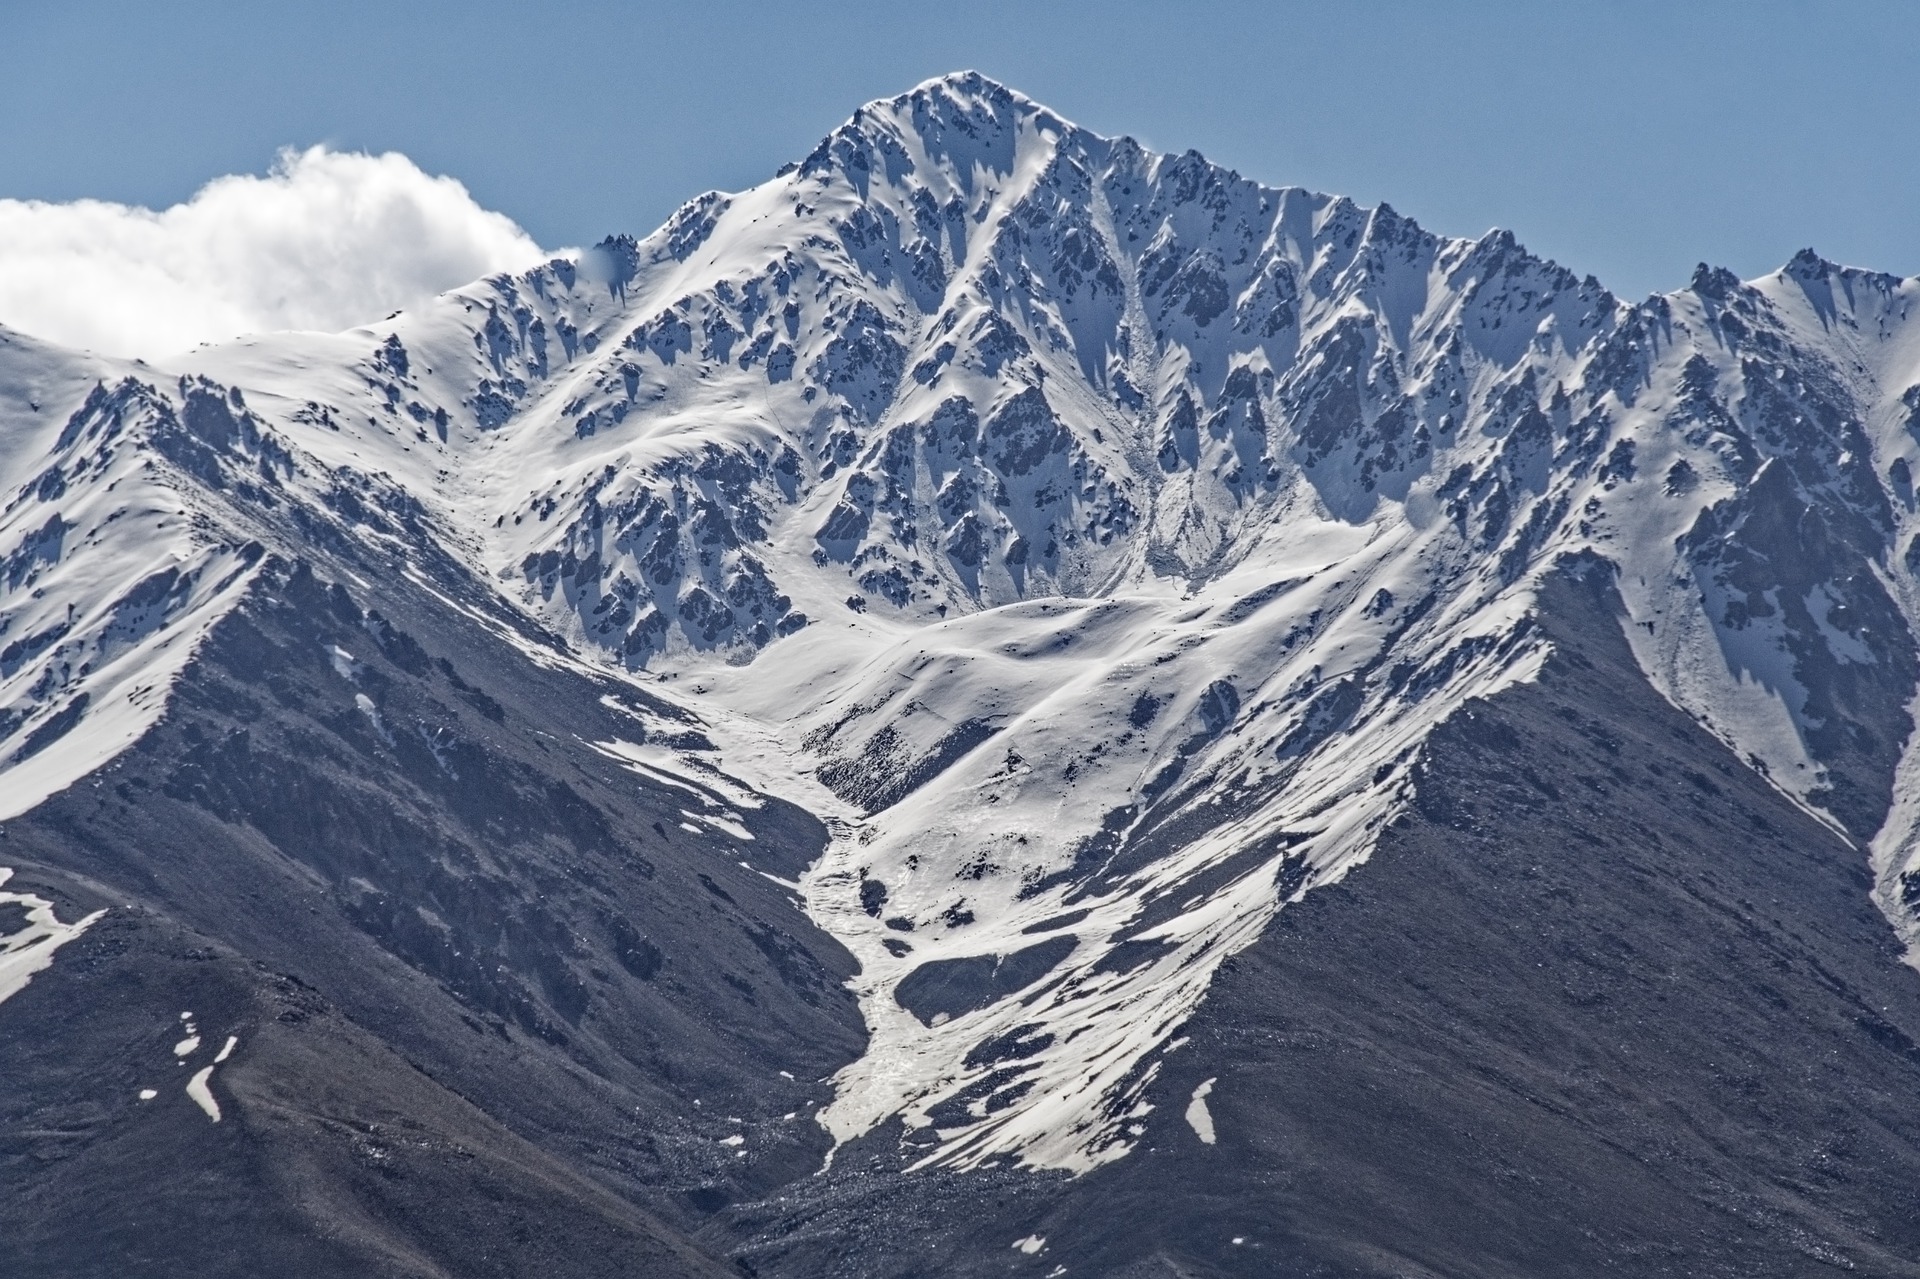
(1031, 1244)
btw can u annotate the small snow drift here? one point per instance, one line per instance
(1199, 1118)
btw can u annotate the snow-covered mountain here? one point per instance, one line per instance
(1095, 539)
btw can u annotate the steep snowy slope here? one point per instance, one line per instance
(111, 570)
(1096, 537)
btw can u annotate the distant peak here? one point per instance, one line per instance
(1808, 267)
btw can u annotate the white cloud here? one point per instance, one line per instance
(327, 240)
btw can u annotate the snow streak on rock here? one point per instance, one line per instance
(29, 949)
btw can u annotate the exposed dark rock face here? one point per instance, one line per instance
(499, 1011)
(950, 987)
(335, 1156)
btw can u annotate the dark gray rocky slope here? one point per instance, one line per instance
(498, 1009)
(1604, 1003)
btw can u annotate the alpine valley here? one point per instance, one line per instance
(998, 704)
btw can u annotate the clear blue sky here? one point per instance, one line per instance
(1626, 138)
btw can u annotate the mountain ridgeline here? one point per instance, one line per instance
(998, 703)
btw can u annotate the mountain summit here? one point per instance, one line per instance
(993, 703)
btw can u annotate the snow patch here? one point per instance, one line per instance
(202, 1094)
(1199, 1118)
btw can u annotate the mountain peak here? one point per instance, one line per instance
(966, 83)
(959, 119)
(963, 100)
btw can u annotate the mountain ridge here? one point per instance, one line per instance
(1094, 539)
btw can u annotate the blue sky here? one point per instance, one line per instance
(1622, 138)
